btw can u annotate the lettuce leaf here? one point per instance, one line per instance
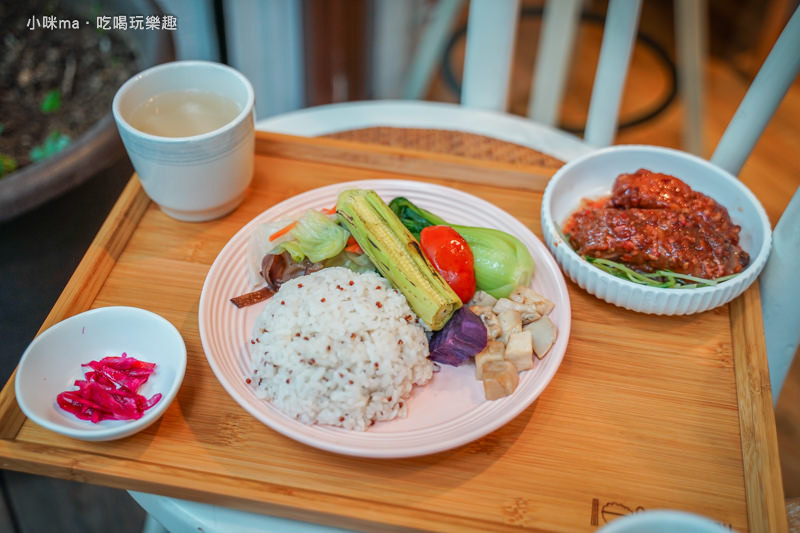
(316, 237)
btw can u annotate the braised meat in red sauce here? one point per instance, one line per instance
(656, 222)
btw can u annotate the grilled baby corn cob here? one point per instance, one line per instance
(397, 255)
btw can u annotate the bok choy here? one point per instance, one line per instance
(502, 262)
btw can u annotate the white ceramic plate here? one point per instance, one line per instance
(449, 411)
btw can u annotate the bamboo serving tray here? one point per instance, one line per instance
(645, 412)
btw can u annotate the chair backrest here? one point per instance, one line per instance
(780, 293)
(780, 296)
(491, 32)
(762, 99)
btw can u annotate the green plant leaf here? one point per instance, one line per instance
(7, 164)
(54, 143)
(51, 101)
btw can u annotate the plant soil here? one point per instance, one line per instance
(86, 66)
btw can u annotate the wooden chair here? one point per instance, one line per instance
(560, 22)
(489, 54)
(780, 293)
(491, 30)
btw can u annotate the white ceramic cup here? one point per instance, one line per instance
(200, 177)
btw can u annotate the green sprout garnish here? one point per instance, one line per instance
(665, 279)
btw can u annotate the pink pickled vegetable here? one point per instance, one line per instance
(109, 390)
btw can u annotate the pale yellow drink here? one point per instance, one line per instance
(183, 113)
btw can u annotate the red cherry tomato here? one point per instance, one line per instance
(452, 257)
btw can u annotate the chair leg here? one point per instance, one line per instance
(491, 33)
(560, 22)
(762, 99)
(690, 40)
(616, 49)
(151, 525)
(429, 50)
(780, 296)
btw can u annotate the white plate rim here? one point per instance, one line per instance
(380, 445)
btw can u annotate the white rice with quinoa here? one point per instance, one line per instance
(339, 348)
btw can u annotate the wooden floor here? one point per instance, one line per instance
(31, 504)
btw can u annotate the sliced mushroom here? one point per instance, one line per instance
(278, 269)
(489, 319)
(511, 322)
(544, 334)
(528, 312)
(482, 298)
(526, 295)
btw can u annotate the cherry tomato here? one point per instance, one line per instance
(452, 258)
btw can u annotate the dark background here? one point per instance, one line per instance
(38, 253)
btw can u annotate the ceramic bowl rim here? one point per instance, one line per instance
(119, 430)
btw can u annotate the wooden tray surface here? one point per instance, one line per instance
(446, 142)
(645, 412)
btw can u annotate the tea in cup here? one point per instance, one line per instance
(188, 128)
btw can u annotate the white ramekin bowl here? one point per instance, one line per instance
(53, 362)
(592, 176)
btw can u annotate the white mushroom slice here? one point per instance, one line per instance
(482, 298)
(494, 351)
(500, 379)
(526, 295)
(519, 350)
(528, 312)
(544, 335)
(489, 319)
(481, 309)
(544, 306)
(511, 322)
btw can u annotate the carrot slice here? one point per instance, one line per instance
(352, 246)
(283, 231)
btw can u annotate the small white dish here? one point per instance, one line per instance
(592, 176)
(52, 363)
(663, 521)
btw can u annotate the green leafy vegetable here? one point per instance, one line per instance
(7, 164)
(353, 261)
(51, 102)
(54, 143)
(502, 262)
(315, 236)
(665, 279)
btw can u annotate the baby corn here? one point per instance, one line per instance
(397, 255)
